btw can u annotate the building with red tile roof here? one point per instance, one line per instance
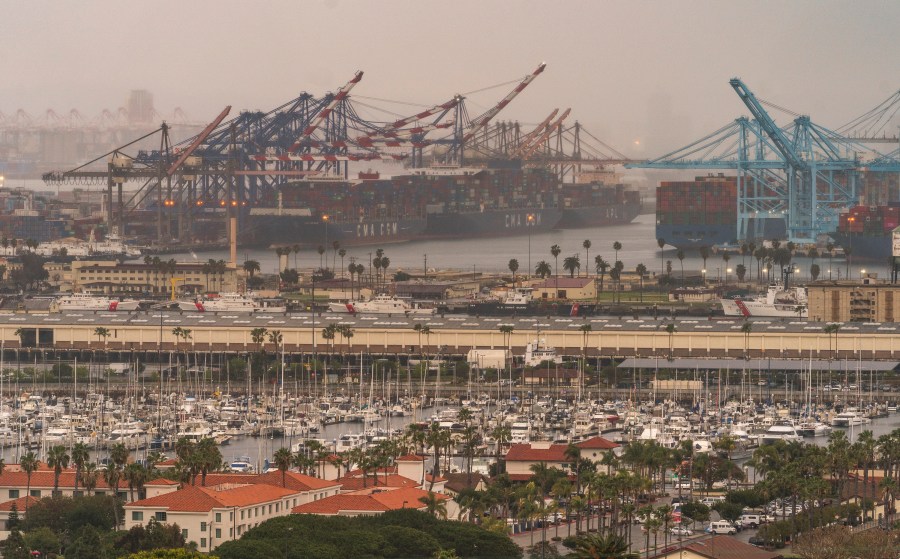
(520, 457)
(368, 502)
(215, 513)
(21, 504)
(719, 547)
(14, 484)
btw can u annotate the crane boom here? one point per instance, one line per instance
(539, 129)
(323, 114)
(537, 143)
(198, 140)
(772, 130)
(482, 120)
(425, 114)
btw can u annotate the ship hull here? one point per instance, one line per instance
(274, 230)
(491, 223)
(579, 218)
(863, 246)
(696, 236)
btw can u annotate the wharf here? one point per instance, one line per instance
(447, 335)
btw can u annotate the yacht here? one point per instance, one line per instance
(848, 418)
(89, 302)
(241, 465)
(537, 351)
(381, 304)
(813, 429)
(780, 432)
(520, 431)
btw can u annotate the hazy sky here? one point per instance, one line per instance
(654, 72)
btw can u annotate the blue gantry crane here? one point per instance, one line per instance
(801, 175)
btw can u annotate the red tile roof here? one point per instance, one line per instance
(21, 503)
(525, 453)
(356, 482)
(203, 499)
(381, 501)
(597, 443)
(43, 479)
(293, 480)
(725, 547)
(410, 458)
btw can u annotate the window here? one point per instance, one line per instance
(137, 516)
(202, 542)
(203, 526)
(160, 516)
(36, 493)
(184, 533)
(13, 493)
(218, 517)
(218, 533)
(242, 515)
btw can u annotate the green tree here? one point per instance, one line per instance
(434, 504)
(555, 250)
(283, 459)
(513, 267)
(571, 264)
(58, 459)
(251, 267)
(543, 269)
(14, 546)
(79, 459)
(641, 271)
(680, 256)
(586, 245)
(29, 464)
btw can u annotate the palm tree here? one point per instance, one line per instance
(58, 459)
(102, 332)
(207, 457)
(283, 459)
(136, 476)
(746, 329)
(680, 256)
(671, 329)
(587, 247)
(617, 246)
(555, 250)
(89, 477)
(602, 267)
(571, 264)
(258, 335)
(662, 253)
(434, 505)
(342, 252)
(28, 463)
(641, 272)
(295, 249)
(513, 267)
(543, 269)
(251, 267)
(704, 254)
(830, 248)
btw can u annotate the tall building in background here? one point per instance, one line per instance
(140, 106)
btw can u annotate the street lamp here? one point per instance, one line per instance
(849, 251)
(703, 273)
(325, 218)
(727, 271)
(766, 272)
(529, 220)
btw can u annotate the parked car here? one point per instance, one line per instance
(681, 531)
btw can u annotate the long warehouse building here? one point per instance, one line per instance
(231, 332)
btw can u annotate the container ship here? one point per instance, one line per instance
(866, 231)
(434, 203)
(698, 213)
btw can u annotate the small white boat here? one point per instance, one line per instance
(780, 432)
(381, 304)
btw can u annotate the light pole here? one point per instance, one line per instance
(703, 273)
(850, 219)
(727, 271)
(529, 219)
(325, 218)
(766, 272)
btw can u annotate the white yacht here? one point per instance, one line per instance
(850, 417)
(520, 431)
(89, 302)
(241, 465)
(813, 429)
(537, 351)
(381, 304)
(780, 432)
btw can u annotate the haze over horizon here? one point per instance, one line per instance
(644, 77)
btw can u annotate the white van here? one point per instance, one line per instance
(751, 520)
(721, 527)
